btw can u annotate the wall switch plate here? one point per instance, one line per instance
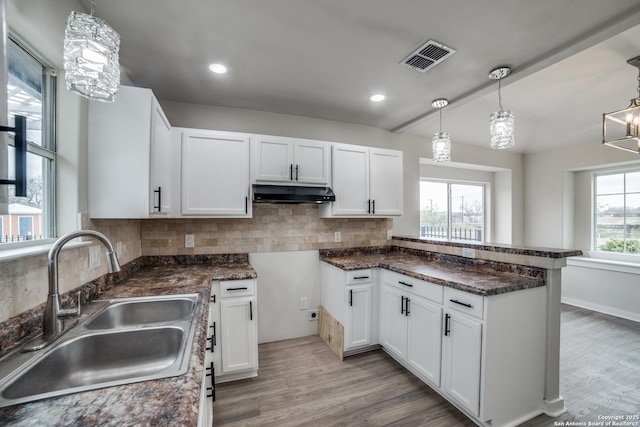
(119, 249)
(389, 234)
(94, 256)
(337, 237)
(468, 253)
(303, 303)
(313, 315)
(189, 241)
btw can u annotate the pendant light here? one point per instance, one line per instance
(441, 141)
(91, 57)
(501, 123)
(621, 129)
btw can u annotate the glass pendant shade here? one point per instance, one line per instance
(621, 129)
(91, 50)
(441, 147)
(501, 128)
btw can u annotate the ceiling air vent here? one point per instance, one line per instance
(427, 56)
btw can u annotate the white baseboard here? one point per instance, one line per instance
(602, 309)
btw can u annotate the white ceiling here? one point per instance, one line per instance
(324, 58)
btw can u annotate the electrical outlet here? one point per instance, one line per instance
(389, 234)
(94, 256)
(313, 315)
(468, 253)
(337, 237)
(119, 249)
(303, 303)
(189, 241)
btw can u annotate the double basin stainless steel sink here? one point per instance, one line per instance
(119, 341)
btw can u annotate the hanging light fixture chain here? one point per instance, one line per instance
(93, 7)
(500, 93)
(639, 83)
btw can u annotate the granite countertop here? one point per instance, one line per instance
(164, 402)
(480, 279)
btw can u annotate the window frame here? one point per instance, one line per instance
(48, 149)
(594, 212)
(485, 203)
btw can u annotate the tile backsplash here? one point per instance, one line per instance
(273, 228)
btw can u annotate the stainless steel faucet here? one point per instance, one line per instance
(53, 325)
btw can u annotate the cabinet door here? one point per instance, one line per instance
(238, 317)
(274, 159)
(350, 182)
(461, 360)
(311, 162)
(386, 181)
(215, 174)
(160, 178)
(393, 326)
(358, 325)
(424, 342)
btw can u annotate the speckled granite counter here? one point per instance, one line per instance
(474, 276)
(164, 402)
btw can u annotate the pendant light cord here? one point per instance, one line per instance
(93, 7)
(440, 119)
(500, 93)
(638, 83)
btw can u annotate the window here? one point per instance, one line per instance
(31, 93)
(617, 212)
(452, 211)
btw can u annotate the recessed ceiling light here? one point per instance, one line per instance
(218, 68)
(377, 97)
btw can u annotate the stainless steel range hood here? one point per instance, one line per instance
(291, 194)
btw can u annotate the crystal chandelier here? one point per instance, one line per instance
(501, 122)
(441, 141)
(621, 129)
(91, 57)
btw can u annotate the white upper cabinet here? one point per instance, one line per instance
(367, 181)
(129, 143)
(214, 173)
(289, 160)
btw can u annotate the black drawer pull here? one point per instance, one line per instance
(213, 299)
(350, 297)
(237, 289)
(250, 310)
(461, 303)
(402, 304)
(360, 277)
(406, 284)
(406, 310)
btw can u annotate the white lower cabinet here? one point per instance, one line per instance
(411, 324)
(461, 360)
(358, 325)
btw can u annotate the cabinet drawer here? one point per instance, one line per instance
(464, 302)
(359, 276)
(422, 288)
(237, 288)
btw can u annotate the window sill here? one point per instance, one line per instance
(631, 266)
(34, 249)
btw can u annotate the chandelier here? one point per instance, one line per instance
(620, 129)
(91, 57)
(441, 142)
(501, 123)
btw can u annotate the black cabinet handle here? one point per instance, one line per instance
(214, 334)
(455, 301)
(291, 172)
(250, 310)
(373, 204)
(20, 155)
(447, 331)
(360, 277)
(351, 297)
(212, 372)
(369, 206)
(296, 172)
(405, 283)
(406, 305)
(237, 289)
(246, 204)
(402, 305)
(159, 193)
(210, 339)
(213, 298)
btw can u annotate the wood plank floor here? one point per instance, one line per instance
(302, 383)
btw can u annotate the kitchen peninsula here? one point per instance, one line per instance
(464, 318)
